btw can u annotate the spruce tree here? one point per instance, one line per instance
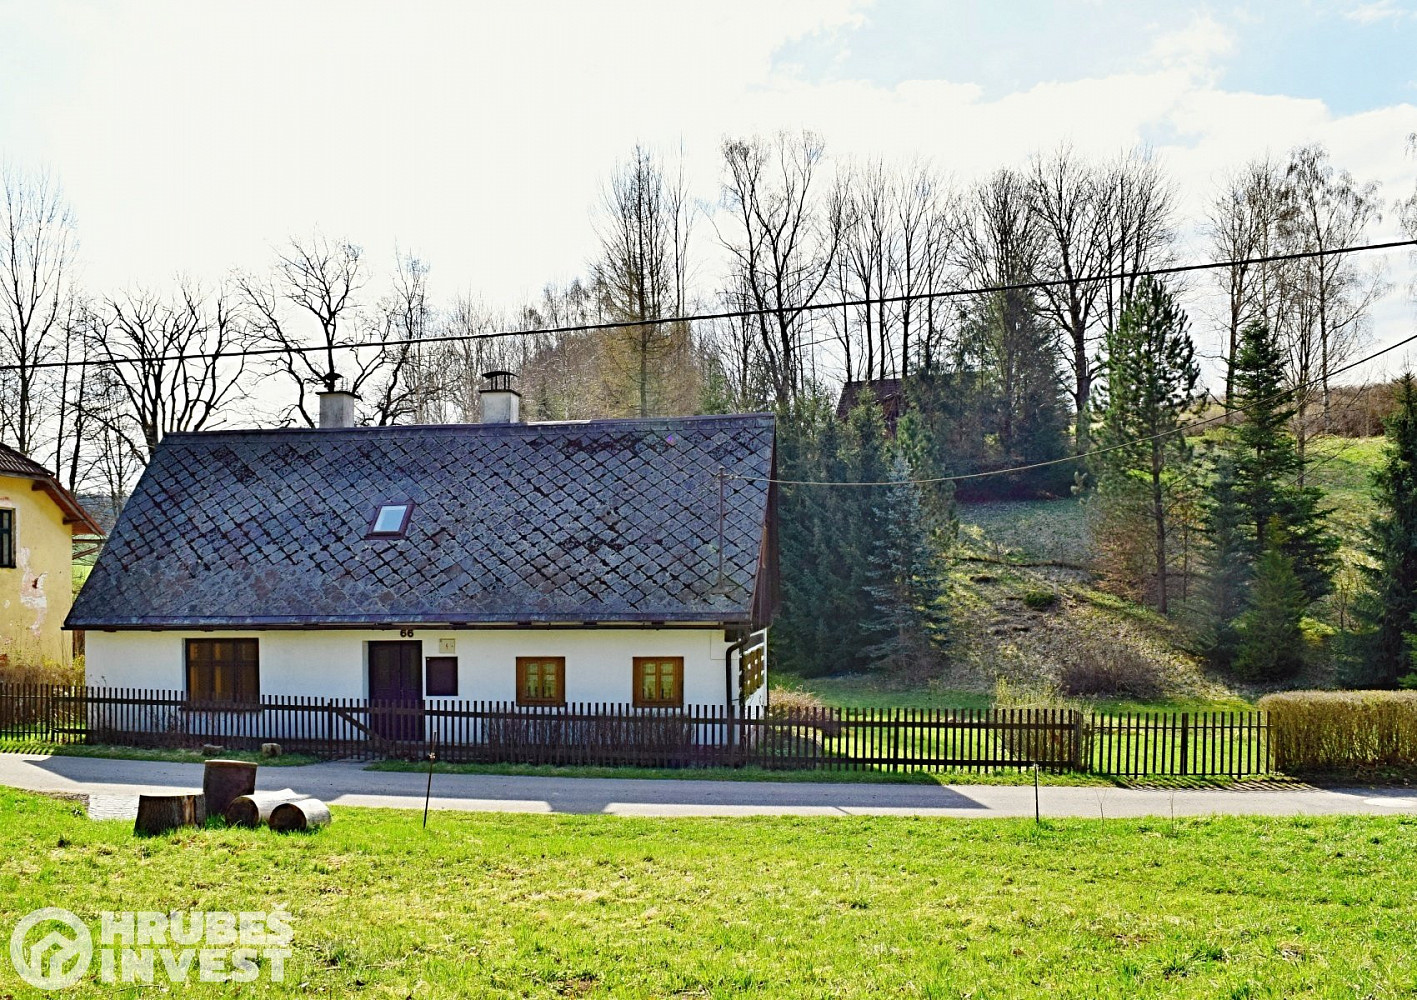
(1389, 603)
(1271, 645)
(1227, 582)
(1150, 388)
(1269, 469)
(907, 576)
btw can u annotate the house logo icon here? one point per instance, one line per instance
(49, 957)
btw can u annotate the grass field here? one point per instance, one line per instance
(864, 691)
(175, 756)
(534, 906)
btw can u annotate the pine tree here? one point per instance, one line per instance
(1271, 645)
(1389, 604)
(1150, 388)
(908, 576)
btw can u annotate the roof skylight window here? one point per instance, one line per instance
(390, 520)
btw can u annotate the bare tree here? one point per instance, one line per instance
(1244, 222)
(1330, 210)
(36, 252)
(319, 279)
(783, 243)
(1001, 243)
(166, 364)
(1073, 203)
(1138, 233)
(644, 226)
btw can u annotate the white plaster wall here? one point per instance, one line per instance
(332, 664)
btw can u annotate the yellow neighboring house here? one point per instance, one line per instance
(39, 520)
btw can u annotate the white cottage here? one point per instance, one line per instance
(621, 562)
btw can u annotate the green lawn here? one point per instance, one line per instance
(139, 753)
(863, 691)
(598, 906)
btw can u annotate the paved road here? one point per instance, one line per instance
(114, 785)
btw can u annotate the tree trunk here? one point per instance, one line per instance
(160, 813)
(254, 809)
(1158, 509)
(300, 815)
(224, 780)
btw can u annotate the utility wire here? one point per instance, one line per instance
(287, 349)
(1096, 451)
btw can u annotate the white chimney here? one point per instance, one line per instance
(501, 404)
(336, 408)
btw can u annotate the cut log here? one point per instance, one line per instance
(224, 780)
(255, 808)
(161, 813)
(301, 814)
(271, 750)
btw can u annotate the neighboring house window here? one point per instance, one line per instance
(7, 538)
(390, 520)
(442, 679)
(223, 670)
(659, 682)
(541, 680)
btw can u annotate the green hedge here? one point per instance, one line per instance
(1327, 731)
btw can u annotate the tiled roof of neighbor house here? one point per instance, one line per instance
(886, 390)
(600, 521)
(16, 463)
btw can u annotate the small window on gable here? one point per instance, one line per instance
(390, 520)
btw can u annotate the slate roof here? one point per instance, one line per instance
(604, 521)
(16, 463)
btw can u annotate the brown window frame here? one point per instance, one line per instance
(523, 665)
(7, 538)
(441, 663)
(402, 529)
(204, 693)
(640, 701)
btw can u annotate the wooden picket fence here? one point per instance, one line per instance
(1136, 745)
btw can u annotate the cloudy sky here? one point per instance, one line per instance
(191, 137)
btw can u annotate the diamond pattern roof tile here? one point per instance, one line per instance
(612, 520)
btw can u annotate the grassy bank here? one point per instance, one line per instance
(172, 756)
(536, 906)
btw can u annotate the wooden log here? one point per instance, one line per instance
(161, 813)
(224, 780)
(300, 814)
(254, 809)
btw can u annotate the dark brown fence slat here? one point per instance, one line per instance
(1132, 744)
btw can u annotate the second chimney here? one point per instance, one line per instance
(501, 404)
(336, 408)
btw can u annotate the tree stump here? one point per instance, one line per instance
(161, 813)
(301, 814)
(224, 780)
(254, 809)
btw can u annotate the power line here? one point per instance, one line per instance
(812, 307)
(1096, 451)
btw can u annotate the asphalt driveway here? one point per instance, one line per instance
(113, 786)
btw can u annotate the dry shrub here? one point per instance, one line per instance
(16, 671)
(1091, 668)
(802, 709)
(1327, 731)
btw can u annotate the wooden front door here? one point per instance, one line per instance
(396, 690)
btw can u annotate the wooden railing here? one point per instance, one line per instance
(1160, 744)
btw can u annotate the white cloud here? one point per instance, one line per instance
(1376, 12)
